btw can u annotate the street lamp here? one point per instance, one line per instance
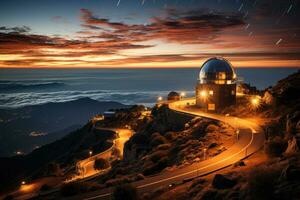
(90, 152)
(204, 153)
(159, 98)
(237, 134)
(23, 182)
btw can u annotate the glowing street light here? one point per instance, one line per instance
(23, 182)
(255, 102)
(182, 94)
(203, 94)
(159, 98)
(90, 152)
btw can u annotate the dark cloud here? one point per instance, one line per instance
(16, 29)
(196, 26)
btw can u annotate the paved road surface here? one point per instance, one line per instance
(251, 139)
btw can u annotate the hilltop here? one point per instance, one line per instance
(273, 172)
(165, 141)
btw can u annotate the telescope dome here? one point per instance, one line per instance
(218, 71)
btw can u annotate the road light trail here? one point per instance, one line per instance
(87, 166)
(251, 139)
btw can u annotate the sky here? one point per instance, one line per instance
(148, 33)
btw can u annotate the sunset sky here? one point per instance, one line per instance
(149, 33)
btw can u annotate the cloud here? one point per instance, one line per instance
(102, 42)
(16, 29)
(196, 26)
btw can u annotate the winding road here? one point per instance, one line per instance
(86, 168)
(251, 139)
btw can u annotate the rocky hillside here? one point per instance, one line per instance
(163, 140)
(273, 173)
(282, 104)
(62, 153)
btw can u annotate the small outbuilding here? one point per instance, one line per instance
(174, 96)
(109, 114)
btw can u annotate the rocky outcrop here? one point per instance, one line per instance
(288, 90)
(293, 119)
(222, 182)
(268, 98)
(163, 120)
(292, 146)
(168, 120)
(135, 146)
(290, 173)
(240, 163)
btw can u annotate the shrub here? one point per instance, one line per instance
(171, 135)
(156, 156)
(140, 177)
(157, 139)
(261, 182)
(157, 166)
(117, 181)
(45, 187)
(275, 147)
(71, 189)
(211, 128)
(163, 146)
(52, 169)
(101, 163)
(9, 197)
(125, 191)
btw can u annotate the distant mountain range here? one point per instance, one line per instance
(25, 129)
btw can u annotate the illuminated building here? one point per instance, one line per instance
(216, 87)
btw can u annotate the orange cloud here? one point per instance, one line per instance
(102, 42)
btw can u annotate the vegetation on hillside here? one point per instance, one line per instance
(159, 145)
(58, 158)
(277, 177)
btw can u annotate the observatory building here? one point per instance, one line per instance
(216, 87)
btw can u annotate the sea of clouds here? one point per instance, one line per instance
(21, 99)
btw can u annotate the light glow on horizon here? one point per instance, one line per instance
(177, 36)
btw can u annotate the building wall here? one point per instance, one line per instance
(218, 96)
(174, 98)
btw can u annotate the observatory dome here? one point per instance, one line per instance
(217, 71)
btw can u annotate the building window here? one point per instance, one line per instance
(211, 92)
(232, 92)
(220, 82)
(211, 106)
(221, 75)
